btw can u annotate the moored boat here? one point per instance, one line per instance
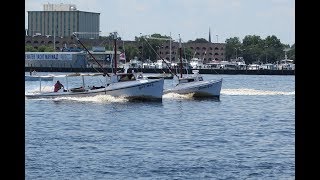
(38, 78)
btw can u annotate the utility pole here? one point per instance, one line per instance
(54, 37)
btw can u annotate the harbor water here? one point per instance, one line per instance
(248, 134)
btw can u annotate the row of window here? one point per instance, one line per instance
(197, 48)
(216, 54)
(70, 22)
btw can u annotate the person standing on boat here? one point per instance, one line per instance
(58, 86)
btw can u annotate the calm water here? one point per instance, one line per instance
(248, 134)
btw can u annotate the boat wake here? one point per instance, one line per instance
(36, 89)
(177, 96)
(95, 99)
(253, 92)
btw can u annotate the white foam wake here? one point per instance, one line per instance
(254, 92)
(95, 99)
(177, 96)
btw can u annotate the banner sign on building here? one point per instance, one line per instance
(52, 56)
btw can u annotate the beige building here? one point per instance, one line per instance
(61, 20)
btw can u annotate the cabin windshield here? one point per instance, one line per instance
(186, 80)
(126, 77)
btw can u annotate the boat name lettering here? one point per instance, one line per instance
(204, 87)
(146, 85)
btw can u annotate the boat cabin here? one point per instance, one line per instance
(125, 77)
(195, 77)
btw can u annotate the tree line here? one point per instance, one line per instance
(253, 48)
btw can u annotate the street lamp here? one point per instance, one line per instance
(217, 38)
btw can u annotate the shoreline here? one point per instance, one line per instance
(151, 70)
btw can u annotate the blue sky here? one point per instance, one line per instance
(189, 18)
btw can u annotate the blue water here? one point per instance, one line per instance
(248, 134)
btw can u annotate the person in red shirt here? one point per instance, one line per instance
(58, 86)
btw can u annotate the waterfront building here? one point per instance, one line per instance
(56, 59)
(205, 51)
(61, 20)
(101, 56)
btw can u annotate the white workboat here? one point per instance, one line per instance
(127, 85)
(194, 84)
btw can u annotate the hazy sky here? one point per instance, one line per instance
(189, 18)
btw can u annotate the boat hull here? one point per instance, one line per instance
(140, 89)
(199, 88)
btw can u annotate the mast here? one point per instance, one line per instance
(104, 71)
(115, 52)
(170, 48)
(180, 52)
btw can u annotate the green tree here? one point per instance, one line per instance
(45, 49)
(232, 47)
(198, 40)
(29, 48)
(148, 46)
(272, 49)
(131, 51)
(187, 53)
(250, 48)
(291, 52)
